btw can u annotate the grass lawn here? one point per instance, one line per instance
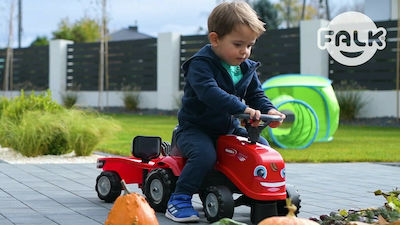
(350, 144)
(133, 125)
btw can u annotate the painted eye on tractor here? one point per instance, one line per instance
(260, 171)
(283, 173)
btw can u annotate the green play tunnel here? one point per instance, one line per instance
(311, 106)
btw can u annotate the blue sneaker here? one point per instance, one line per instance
(180, 209)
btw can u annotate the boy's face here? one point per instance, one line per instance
(235, 47)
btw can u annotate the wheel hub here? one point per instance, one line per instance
(104, 185)
(156, 191)
(212, 204)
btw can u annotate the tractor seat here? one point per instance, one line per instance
(146, 148)
(174, 147)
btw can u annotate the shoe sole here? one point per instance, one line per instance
(192, 218)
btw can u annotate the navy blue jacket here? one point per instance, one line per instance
(210, 97)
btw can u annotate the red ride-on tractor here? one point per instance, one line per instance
(245, 167)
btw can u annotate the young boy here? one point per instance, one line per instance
(217, 77)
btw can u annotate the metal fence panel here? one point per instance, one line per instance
(278, 51)
(131, 65)
(379, 73)
(30, 68)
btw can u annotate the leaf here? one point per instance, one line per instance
(343, 212)
(226, 221)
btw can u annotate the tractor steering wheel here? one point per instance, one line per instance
(254, 132)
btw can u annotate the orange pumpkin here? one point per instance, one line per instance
(290, 219)
(131, 209)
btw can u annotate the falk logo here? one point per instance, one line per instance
(351, 38)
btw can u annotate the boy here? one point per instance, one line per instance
(217, 77)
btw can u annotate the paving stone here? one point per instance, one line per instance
(4, 221)
(64, 193)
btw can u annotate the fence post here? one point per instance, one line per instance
(168, 60)
(58, 68)
(313, 60)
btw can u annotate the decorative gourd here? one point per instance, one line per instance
(290, 219)
(131, 209)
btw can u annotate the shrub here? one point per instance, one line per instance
(69, 99)
(350, 99)
(3, 104)
(37, 133)
(131, 99)
(36, 125)
(87, 130)
(44, 133)
(17, 106)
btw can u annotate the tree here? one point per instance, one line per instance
(267, 13)
(290, 12)
(83, 30)
(337, 8)
(40, 41)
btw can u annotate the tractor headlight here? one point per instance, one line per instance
(283, 173)
(100, 163)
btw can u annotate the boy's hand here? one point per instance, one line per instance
(275, 124)
(254, 116)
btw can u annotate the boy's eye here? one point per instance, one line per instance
(237, 44)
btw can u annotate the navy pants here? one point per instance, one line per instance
(199, 149)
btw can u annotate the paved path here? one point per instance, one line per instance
(64, 193)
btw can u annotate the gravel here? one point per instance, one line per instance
(11, 156)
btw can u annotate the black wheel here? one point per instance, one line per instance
(108, 186)
(159, 185)
(294, 196)
(218, 203)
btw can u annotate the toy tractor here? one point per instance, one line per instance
(245, 167)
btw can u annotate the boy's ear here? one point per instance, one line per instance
(213, 37)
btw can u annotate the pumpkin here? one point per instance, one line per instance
(290, 219)
(131, 209)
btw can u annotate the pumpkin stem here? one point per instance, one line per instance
(291, 208)
(124, 187)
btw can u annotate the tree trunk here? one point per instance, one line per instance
(101, 53)
(19, 22)
(328, 14)
(9, 53)
(398, 64)
(288, 8)
(303, 9)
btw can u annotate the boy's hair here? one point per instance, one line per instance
(227, 15)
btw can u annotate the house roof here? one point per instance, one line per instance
(130, 33)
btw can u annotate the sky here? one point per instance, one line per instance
(152, 16)
(41, 17)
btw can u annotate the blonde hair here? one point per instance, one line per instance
(227, 15)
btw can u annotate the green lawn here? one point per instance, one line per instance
(133, 125)
(350, 144)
